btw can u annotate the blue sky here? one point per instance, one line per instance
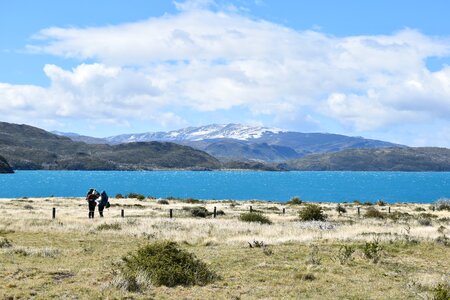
(102, 68)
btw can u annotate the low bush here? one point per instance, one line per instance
(191, 201)
(368, 203)
(312, 212)
(419, 209)
(164, 263)
(28, 207)
(344, 254)
(199, 212)
(442, 292)
(340, 209)
(254, 217)
(424, 222)
(119, 196)
(372, 250)
(113, 226)
(305, 276)
(295, 201)
(381, 203)
(443, 204)
(372, 212)
(163, 202)
(5, 243)
(136, 196)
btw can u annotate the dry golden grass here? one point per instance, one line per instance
(73, 256)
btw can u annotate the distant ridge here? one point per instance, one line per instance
(231, 142)
(384, 159)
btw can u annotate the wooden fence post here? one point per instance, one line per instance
(170, 213)
(359, 212)
(54, 213)
(251, 208)
(122, 213)
(389, 210)
(215, 212)
(284, 210)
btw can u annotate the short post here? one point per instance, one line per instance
(54, 213)
(122, 213)
(284, 210)
(251, 208)
(170, 213)
(389, 210)
(433, 208)
(359, 211)
(215, 211)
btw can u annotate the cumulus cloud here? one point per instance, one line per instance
(205, 60)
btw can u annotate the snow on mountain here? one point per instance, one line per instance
(214, 131)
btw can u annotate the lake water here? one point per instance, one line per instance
(274, 186)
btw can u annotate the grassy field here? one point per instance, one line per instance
(404, 254)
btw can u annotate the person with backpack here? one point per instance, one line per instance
(91, 198)
(103, 203)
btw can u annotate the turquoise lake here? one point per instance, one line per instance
(420, 187)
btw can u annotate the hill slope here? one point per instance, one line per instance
(27, 147)
(4, 166)
(384, 159)
(230, 142)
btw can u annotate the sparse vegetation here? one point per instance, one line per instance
(163, 202)
(112, 226)
(443, 204)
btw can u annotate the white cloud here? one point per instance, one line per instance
(203, 60)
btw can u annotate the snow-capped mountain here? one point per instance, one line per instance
(208, 132)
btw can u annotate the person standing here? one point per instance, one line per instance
(103, 203)
(91, 196)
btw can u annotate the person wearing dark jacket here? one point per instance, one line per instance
(91, 196)
(103, 203)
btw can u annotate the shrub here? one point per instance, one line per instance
(381, 203)
(5, 243)
(295, 201)
(119, 196)
(374, 213)
(163, 202)
(136, 196)
(372, 250)
(191, 201)
(345, 253)
(113, 226)
(442, 292)
(199, 212)
(312, 212)
(305, 277)
(419, 209)
(368, 203)
(28, 207)
(164, 263)
(443, 204)
(340, 209)
(424, 221)
(254, 217)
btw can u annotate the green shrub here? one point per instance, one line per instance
(199, 212)
(163, 202)
(191, 201)
(164, 263)
(374, 213)
(295, 201)
(372, 250)
(254, 217)
(113, 226)
(345, 253)
(136, 196)
(119, 196)
(442, 292)
(5, 243)
(312, 212)
(419, 209)
(340, 209)
(425, 222)
(368, 203)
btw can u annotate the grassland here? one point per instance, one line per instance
(404, 254)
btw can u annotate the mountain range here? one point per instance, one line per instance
(237, 142)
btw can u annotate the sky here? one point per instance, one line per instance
(378, 69)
